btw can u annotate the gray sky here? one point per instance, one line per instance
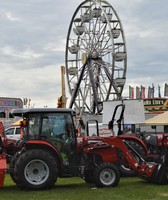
(33, 37)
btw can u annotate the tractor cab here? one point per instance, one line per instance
(46, 123)
(52, 125)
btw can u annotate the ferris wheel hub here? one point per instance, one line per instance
(84, 58)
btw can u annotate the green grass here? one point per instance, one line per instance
(77, 189)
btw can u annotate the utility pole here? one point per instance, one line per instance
(63, 99)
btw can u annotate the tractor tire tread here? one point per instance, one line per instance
(99, 168)
(27, 156)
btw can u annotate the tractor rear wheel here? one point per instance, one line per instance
(12, 165)
(106, 175)
(35, 169)
(88, 175)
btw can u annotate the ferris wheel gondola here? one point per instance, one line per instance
(96, 58)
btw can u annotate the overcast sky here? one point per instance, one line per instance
(33, 37)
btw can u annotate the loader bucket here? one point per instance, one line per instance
(2, 168)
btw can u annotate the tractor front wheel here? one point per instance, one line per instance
(35, 169)
(106, 175)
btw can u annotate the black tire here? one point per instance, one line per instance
(106, 175)
(35, 169)
(125, 171)
(12, 165)
(88, 176)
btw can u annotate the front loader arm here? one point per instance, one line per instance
(151, 171)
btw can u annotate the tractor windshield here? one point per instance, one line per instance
(57, 125)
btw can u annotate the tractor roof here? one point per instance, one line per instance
(23, 111)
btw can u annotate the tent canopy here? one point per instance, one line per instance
(159, 120)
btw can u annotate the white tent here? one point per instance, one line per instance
(159, 120)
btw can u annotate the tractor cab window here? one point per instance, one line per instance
(33, 126)
(57, 125)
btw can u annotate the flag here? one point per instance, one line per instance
(159, 93)
(153, 90)
(166, 90)
(29, 100)
(131, 92)
(142, 92)
(25, 101)
(149, 92)
(138, 93)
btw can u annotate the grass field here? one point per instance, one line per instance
(77, 189)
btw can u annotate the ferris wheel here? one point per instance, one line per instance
(96, 58)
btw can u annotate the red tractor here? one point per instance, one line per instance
(52, 149)
(149, 146)
(138, 144)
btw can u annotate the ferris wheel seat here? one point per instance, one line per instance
(78, 19)
(86, 17)
(73, 71)
(79, 30)
(74, 49)
(116, 33)
(119, 82)
(109, 16)
(96, 12)
(120, 56)
(103, 17)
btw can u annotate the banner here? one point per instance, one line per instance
(153, 91)
(131, 92)
(138, 93)
(149, 92)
